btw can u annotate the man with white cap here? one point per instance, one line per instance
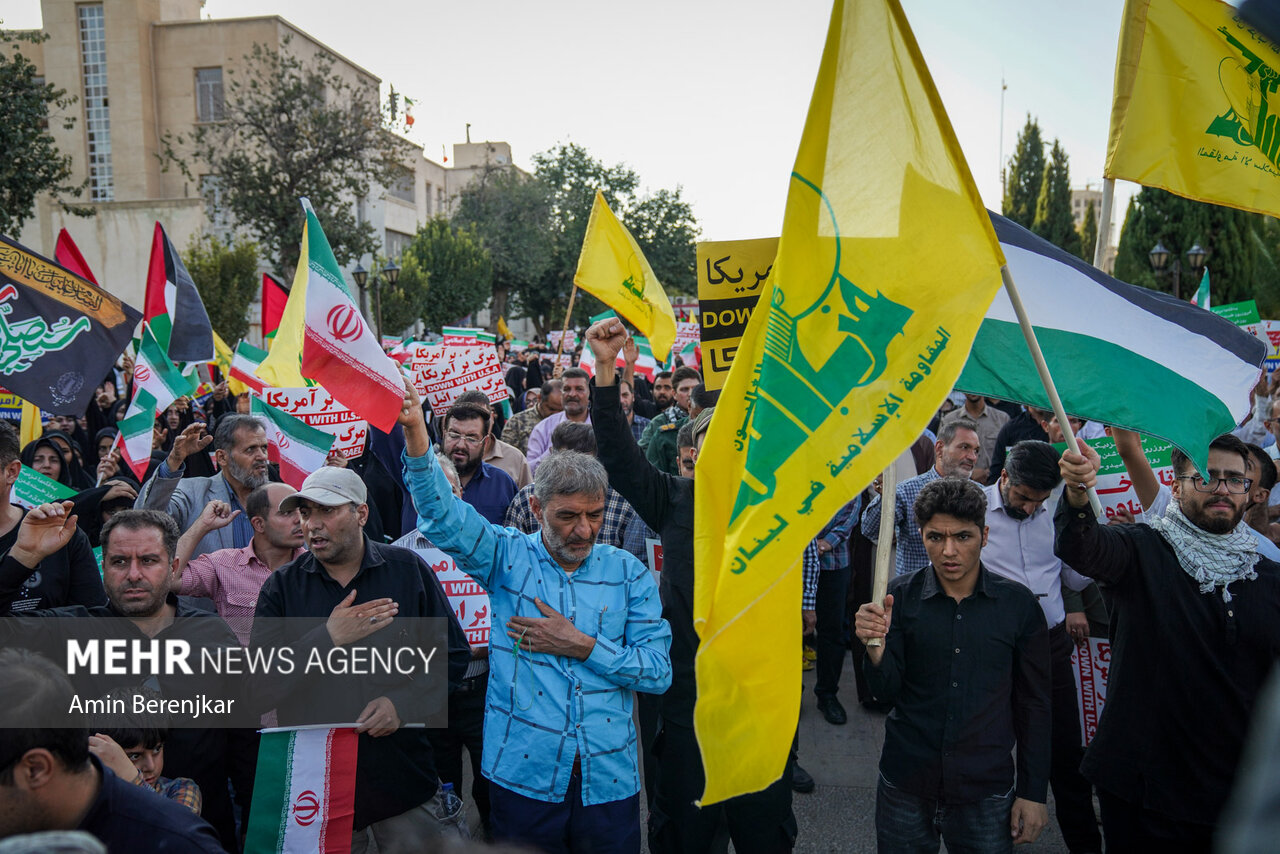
(362, 587)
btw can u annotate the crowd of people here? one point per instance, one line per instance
(581, 703)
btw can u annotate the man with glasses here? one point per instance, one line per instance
(1196, 630)
(487, 488)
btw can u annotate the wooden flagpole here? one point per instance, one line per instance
(884, 545)
(1029, 333)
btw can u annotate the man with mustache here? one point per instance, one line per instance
(1196, 632)
(240, 450)
(138, 572)
(576, 394)
(1020, 547)
(232, 578)
(583, 630)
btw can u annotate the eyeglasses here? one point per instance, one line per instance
(473, 441)
(1235, 484)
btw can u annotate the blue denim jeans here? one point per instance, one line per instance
(906, 824)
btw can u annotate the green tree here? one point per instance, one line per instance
(511, 215)
(1054, 221)
(445, 274)
(1024, 176)
(1238, 257)
(227, 278)
(294, 129)
(664, 226)
(32, 163)
(1088, 233)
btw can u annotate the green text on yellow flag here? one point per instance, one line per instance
(886, 264)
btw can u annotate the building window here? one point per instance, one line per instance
(214, 208)
(440, 208)
(209, 95)
(97, 118)
(395, 243)
(428, 198)
(403, 188)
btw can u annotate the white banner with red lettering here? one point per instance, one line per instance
(1091, 664)
(466, 360)
(467, 598)
(318, 408)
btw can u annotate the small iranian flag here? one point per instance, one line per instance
(158, 375)
(646, 365)
(298, 447)
(244, 366)
(339, 351)
(304, 792)
(1202, 293)
(135, 438)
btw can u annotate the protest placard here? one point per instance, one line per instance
(32, 489)
(1268, 331)
(1239, 313)
(467, 598)
(10, 407)
(1091, 664)
(1115, 489)
(465, 360)
(319, 409)
(653, 549)
(730, 276)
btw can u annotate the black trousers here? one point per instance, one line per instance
(1072, 793)
(466, 729)
(1130, 829)
(759, 823)
(833, 590)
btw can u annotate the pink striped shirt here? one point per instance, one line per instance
(232, 579)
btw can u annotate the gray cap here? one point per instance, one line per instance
(329, 486)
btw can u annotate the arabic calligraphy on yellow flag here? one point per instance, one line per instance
(856, 340)
(1195, 107)
(613, 269)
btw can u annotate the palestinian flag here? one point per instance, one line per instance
(274, 297)
(134, 438)
(244, 367)
(66, 253)
(1122, 355)
(173, 306)
(154, 372)
(339, 350)
(296, 446)
(304, 792)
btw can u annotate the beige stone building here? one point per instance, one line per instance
(144, 69)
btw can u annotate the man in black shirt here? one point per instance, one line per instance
(1195, 633)
(361, 587)
(965, 663)
(49, 781)
(760, 822)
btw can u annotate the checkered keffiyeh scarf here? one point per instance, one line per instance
(1213, 560)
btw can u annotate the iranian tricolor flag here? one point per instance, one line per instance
(298, 447)
(339, 351)
(304, 792)
(154, 372)
(1122, 355)
(244, 366)
(135, 437)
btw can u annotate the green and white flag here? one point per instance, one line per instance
(1122, 355)
(1202, 294)
(155, 373)
(32, 489)
(135, 437)
(298, 447)
(304, 792)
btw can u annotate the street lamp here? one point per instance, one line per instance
(361, 275)
(1160, 256)
(390, 275)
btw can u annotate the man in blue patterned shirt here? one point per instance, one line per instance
(957, 454)
(584, 629)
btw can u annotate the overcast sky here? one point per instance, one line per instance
(710, 95)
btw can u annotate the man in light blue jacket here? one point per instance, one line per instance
(576, 628)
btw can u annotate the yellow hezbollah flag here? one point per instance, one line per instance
(503, 329)
(613, 269)
(222, 358)
(1195, 105)
(886, 265)
(283, 366)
